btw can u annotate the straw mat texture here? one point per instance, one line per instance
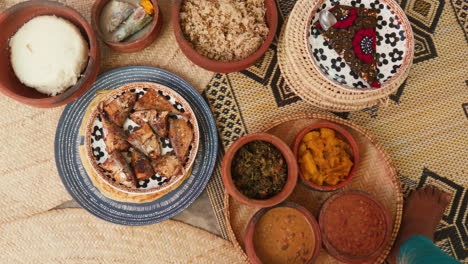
(423, 127)
(30, 180)
(74, 236)
(376, 175)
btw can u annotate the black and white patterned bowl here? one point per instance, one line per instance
(394, 45)
(95, 146)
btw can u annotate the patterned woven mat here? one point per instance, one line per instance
(424, 128)
(74, 236)
(30, 182)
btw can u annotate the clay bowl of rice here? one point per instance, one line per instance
(224, 36)
(50, 54)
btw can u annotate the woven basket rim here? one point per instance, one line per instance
(318, 98)
(406, 61)
(109, 96)
(314, 98)
(312, 83)
(367, 135)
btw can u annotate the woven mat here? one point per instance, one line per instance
(74, 236)
(30, 182)
(424, 126)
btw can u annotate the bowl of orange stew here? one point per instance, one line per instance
(286, 233)
(356, 227)
(327, 155)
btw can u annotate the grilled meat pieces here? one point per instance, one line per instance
(153, 100)
(141, 165)
(160, 123)
(157, 120)
(181, 135)
(146, 141)
(120, 107)
(119, 169)
(167, 166)
(114, 136)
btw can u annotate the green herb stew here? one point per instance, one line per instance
(259, 170)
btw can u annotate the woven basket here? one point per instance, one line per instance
(98, 182)
(376, 176)
(304, 78)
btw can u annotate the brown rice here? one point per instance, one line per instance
(224, 30)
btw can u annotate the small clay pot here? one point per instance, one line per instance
(249, 233)
(346, 136)
(218, 66)
(344, 257)
(128, 46)
(291, 170)
(10, 22)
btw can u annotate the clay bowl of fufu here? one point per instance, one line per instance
(49, 55)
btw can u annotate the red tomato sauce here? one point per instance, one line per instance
(354, 225)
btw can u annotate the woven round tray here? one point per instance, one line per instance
(376, 176)
(315, 88)
(313, 99)
(97, 178)
(308, 91)
(141, 210)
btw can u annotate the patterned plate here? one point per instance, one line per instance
(392, 45)
(96, 147)
(80, 186)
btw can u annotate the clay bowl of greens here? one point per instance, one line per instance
(259, 170)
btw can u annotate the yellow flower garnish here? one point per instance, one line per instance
(148, 6)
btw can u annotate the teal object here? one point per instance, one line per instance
(420, 249)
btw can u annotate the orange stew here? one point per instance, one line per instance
(324, 157)
(284, 235)
(354, 225)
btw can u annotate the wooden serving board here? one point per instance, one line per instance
(376, 175)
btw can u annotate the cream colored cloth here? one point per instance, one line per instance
(75, 236)
(30, 182)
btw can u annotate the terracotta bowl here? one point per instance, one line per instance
(128, 46)
(249, 234)
(11, 20)
(348, 258)
(344, 135)
(291, 168)
(218, 66)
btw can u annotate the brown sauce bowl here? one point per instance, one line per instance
(218, 66)
(11, 21)
(291, 170)
(128, 46)
(250, 230)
